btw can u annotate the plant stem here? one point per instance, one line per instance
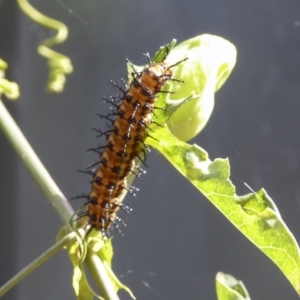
(58, 201)
(38, 262)
(34, 166)
(99, 274)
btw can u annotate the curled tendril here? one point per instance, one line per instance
(8, 88)
(59, 64)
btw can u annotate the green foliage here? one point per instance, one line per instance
(8, 88)
(99, 254)
(255, 214)
(59, 65)
(210, 60)
(228, 288)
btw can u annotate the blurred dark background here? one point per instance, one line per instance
(175, 241)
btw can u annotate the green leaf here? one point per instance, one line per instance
(255, 215)
(80, 284)
(210, 60)
(203, 63)
(228, 288)
(163, 51)
(104, 252)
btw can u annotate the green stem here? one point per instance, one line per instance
(35, 167)
(68, 239)
(58, 202)
(100, 276)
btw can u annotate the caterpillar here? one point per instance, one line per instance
(125, 143)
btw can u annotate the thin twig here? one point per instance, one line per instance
(38, 262)
(35, 167)
(56, 199)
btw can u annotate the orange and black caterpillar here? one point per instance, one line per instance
(125, 142)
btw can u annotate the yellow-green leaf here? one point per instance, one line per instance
(255, 215)
(210, 60)
(228, 288)
(103, 251)
(206, 62)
